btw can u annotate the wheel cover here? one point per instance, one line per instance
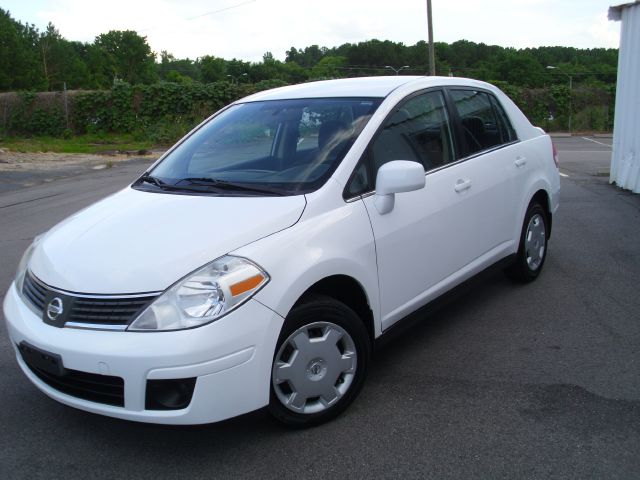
(314, 367)
(535, 242)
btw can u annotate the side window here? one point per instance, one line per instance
(508, 133)
(360, 182)
(419, 130)
(482, 128)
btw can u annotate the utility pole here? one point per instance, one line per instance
(44, 64)
(66, 104)
(432, 53)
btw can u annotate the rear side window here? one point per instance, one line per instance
(508, 133)
(484, 123)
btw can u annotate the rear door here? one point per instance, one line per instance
(494, 161)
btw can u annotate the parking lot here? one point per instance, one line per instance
(507, 381)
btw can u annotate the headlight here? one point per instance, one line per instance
(203, 296)
(24, 264)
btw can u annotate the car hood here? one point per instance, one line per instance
(134, 241)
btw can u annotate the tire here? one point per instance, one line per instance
(532, 250)
(320, 362)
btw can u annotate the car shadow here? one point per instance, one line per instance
(222, 438)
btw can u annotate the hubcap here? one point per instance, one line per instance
(535, 242)
(314, 367)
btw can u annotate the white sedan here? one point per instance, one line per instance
(259, 260)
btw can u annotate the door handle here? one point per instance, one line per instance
(462, 184)
(520, 162)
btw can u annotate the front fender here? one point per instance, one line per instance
(338, 241)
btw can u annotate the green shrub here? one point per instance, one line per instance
(163, 112)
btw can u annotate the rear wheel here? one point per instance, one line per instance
(320, 362)
(532, 251)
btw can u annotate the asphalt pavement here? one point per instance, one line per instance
(508, 381)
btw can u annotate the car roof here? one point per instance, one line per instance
(344, 87)
(376, 87)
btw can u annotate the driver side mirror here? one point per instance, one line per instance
(396, 177)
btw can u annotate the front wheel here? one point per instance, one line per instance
(320, 362)
(532, 250)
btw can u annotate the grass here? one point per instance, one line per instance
(89, 143)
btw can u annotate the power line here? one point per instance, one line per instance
(221, 10)
(213, 12)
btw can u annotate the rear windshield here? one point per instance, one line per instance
(285, 146)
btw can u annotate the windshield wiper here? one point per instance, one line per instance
(226, 185)
(148, 178)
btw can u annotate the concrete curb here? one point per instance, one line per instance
(580, 134)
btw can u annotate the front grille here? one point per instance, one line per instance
(79, 310)
(35, 291)
(112, 311)
(87, 386)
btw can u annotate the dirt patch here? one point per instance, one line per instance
(14, 161)
(18, 170)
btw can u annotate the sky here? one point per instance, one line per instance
(246, 29)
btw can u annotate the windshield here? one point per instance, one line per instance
(285, 146)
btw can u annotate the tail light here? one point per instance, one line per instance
(555, 154)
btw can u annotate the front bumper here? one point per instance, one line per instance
(231, 359)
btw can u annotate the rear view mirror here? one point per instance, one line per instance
(397, 177)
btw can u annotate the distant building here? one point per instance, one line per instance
(625, 159)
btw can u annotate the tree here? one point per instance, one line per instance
(176, 77)
(520, 68)
(35, 60)
(268, 69)
(329, 67)
(177, 70)
(124, 55)
(212, 69)
(49, 39)
(236, 69)
(19, 59)
(61, 61)
(293, 73)
(377, 54)
(306, 57)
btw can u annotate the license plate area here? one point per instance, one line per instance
(41, 359)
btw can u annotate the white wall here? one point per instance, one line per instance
(625, 159)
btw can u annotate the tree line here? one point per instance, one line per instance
(45, 61)
(119, 69)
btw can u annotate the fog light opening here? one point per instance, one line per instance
(173, 394)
